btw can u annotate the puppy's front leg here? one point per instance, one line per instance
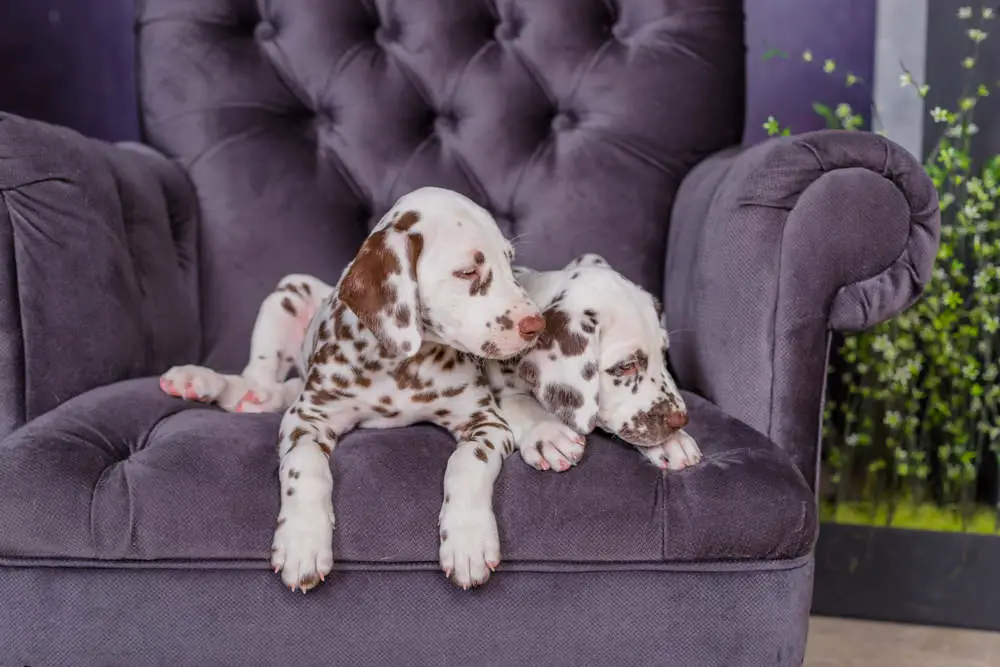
(470, 543)
(302, 549)
(545, 442)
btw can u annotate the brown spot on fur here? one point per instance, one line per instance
(297, 433)
(323, 331)
(407, 220)
(325, 448)
(414, 248)
(451, 392)
(479, 258)
(489, 445)
(340, 381)
(557, 331)
(373, 366)
(528, 371)
(484, 401)
(443, 412)
(490, 349)
(385, 400)
(386, 412)
(290, 491)
(448, 365)
(481, 286)
(505, 322)
(305, 288)
(287, 304)
(481, 455)
(563, 400)
(589, 370)
(360, 345)
(425, 397)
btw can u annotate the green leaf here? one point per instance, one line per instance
(827, 114)
(774, 53)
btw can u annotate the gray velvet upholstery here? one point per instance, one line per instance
(275, 138)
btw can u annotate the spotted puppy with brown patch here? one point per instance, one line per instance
(430, 292)
(601, 362)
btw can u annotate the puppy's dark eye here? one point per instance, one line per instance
(466, 274)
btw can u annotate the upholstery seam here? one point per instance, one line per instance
(18, 305)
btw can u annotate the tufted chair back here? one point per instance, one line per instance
(301, 121)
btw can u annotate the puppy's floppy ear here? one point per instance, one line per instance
(563, 367)
(380, 285)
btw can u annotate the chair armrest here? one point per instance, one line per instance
(773, 247)
(98, 277)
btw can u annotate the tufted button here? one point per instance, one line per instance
(387, 33)
(445, 122)
(508, 30)
(565, 120)
(325, 116)
(265, 30)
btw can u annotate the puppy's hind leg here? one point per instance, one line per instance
(277, 341)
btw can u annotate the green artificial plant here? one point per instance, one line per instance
(912, 422)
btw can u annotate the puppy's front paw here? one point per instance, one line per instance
(551, 445)
(676, 453)
(195, 383)
(470, 544)
(302, 549)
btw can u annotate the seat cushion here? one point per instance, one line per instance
(125, 472)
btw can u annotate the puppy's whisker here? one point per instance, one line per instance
(679, 331)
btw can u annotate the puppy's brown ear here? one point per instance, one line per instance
(380, 287)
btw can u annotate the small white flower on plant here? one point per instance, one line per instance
(954, 132)
(829, 66)
(965, 12)
(905, 79)
(939, 115)
(843, 110)
(851, 80)
(976, 35)
(988, 13)
(969, 63)
(972, 129)
(807, 56)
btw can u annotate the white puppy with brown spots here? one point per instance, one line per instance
(430, 291)
(601, 362)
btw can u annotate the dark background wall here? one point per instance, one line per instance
(70, 61)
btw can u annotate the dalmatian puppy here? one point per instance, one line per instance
(601, 362)
(396, 342)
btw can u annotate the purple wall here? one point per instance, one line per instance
(843, 30)
(70, 61)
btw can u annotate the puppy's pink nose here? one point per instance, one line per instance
(530, 326)
(677, 419)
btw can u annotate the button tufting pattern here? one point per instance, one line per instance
(442, 92)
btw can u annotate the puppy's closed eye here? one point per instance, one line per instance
(628, 367)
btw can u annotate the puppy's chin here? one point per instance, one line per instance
(642, 441)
